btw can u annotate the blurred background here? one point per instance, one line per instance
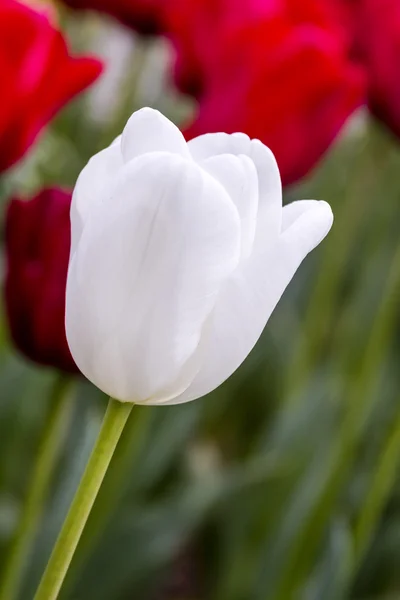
(284, 483)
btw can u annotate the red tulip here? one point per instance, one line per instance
(37, 253)
(39, 76)
(145, 16)
(283, 77)
(199, 28)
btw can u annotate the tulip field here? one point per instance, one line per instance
(200, 300)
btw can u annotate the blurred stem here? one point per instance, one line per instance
(379, 490)
(50, 446)
(113, 424)
(359, 401)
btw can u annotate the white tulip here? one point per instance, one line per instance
(180, 253)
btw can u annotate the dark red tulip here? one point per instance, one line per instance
(284, 77)
(38, 76)
(37, 254)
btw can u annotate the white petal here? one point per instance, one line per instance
(304, 225)
(211, 144)
(269, 221)
(146, 275)
(117, 140)
(291, 212)
(149, 131)
(269, 181)
(251, 294)
(91, 187)
(238, 175)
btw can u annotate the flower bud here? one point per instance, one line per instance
(180, 252)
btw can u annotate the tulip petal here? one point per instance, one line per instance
(238, 175)
(291, 212)
(91, 187)
(146, 275)
(269, 182)
(149, 131)
(251, 294)
(269, 220)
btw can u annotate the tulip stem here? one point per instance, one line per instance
(50, 446)
(114, 485)
(113, 424)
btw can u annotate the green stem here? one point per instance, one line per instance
(63, 551)
(50, 446)
(113, 488)
(117, 477)
(378, 492)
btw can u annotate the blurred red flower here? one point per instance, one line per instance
(39, 76)
(199, 28)
(145, 16)
(282, 74)
(375, 28)
(37, 254)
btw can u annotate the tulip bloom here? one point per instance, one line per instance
(39, 76)
(288, 82)
(202, 31)
(37, 251)
(179, 254)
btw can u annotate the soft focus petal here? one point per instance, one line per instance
(269, 182)
(238, 175)
(148, 131)
(39, 75)
(250, 296)
(146, 274)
